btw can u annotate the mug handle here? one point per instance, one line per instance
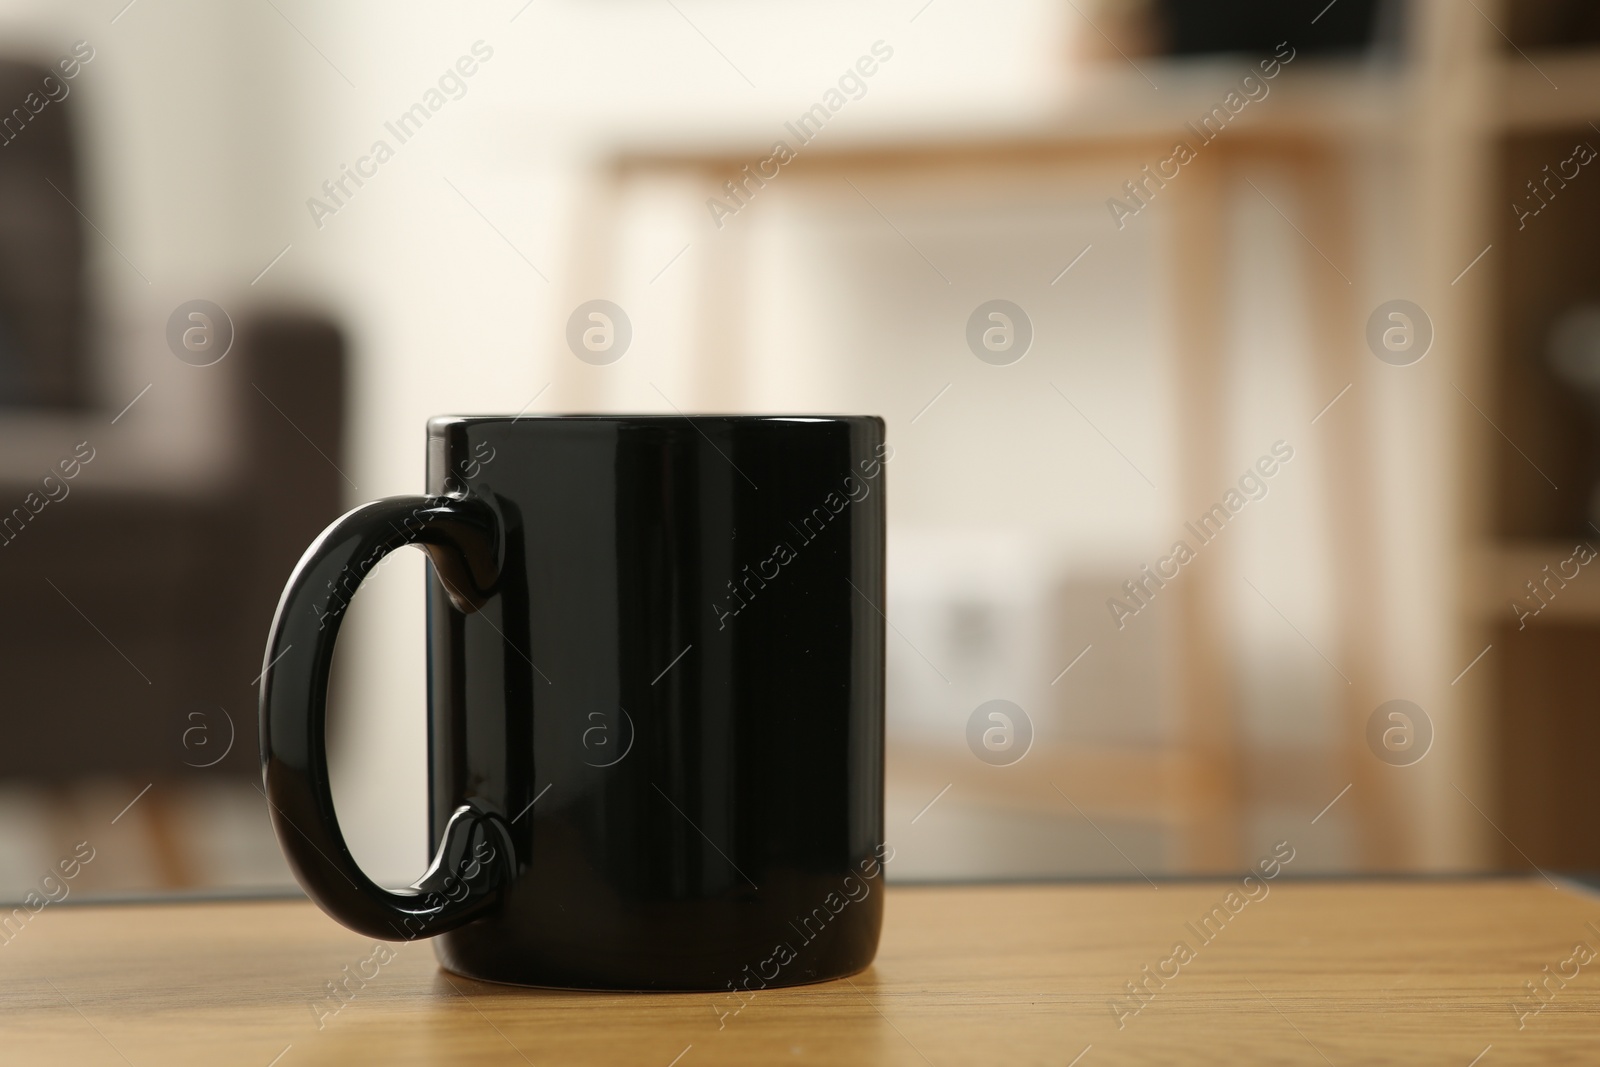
(475, 860)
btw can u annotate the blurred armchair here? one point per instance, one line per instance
(136, 607)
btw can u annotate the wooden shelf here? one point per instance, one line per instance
(1549, 89)
(1154, 785)
(1504, 570)
(1098, 103)
(1124, 782)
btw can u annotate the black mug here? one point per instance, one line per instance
(655, 693)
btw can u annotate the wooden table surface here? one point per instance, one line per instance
(1315, 972)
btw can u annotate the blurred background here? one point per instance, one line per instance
(1308, 287)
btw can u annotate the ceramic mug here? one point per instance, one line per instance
(655, 654)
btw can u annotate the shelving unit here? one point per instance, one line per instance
(1536, 508)
(1438, 493)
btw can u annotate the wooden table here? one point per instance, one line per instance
(1316, 972)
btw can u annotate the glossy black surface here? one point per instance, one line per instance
(656, 748)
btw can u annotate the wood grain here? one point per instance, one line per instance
(1313, 973)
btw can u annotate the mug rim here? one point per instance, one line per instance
(442, 421)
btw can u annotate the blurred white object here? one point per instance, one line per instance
(971, 612)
